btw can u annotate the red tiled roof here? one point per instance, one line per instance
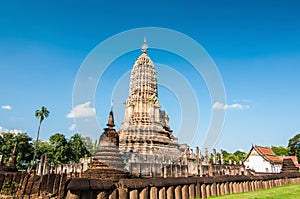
(294, 158)
(267, 154)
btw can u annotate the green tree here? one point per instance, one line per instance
(42, 149)
(24, 148)
(77, 148)
(59, 152)
(41, 115)
(280, 150)
(294, 146)
(240, 155)
(90, 146)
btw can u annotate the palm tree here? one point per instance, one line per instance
(41, 115)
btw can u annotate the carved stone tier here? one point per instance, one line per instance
(107, 163)
(289, 167)
(145, 128)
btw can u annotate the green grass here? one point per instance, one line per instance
(285, 192)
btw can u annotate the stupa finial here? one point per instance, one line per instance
(145, 46)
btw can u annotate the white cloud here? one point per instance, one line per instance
(91, 78)
(7, 107)
(221, 106)
(82, 110)
(72, 127)
(2, 129)
(13, 131)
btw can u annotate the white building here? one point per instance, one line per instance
(263, 160)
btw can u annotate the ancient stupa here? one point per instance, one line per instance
(145, 131)
(107, 163)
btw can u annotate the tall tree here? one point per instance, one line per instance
(280, 150)
(41, 115)
(77, 148)
(59, 152)
(294, 146)
(240, 155)
(24, 148)
(90, 146)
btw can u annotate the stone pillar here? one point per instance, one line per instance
(222, 189)
(213, 189)
(230, 188)
(165, 171)
(161, 193)
(177, 193)
(218, 189)
(144, 193)
(113, 195)
(185, 192)
(134, 194)
(192, 191)
(123, 193)
(73, 195)
(214, 156)
(222, 157)
(153, 193)
(101, 195)
(234, 187)
(198, 190)
(203, 191)
(208, 194)
(210, 169)
(170, 193)
(226, 188)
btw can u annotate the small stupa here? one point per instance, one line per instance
(12, 161)
(107, 163)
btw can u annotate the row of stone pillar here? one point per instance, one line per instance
(200, 190)
(192, 190)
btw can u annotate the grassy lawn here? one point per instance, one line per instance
(289, 192)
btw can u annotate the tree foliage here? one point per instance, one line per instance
(24, 147)
(77, 148)
(280, 150)
(294, 146)
(90, 146)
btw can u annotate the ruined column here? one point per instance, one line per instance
(185, 192)
(177, 193)
(203, 191)
(222, 157)
(222, 189)
(230, 188)
(214, 156)
(162, 193)
(198, 190)
(170, 193)
(206, 156)
(218, 189)
(234, 187)
(153, 193)
(134, 194)
(226, 188)
(192, 191)
(213, 189)
(144, 193)
(208, 194)
(73, 195)
(123, 193)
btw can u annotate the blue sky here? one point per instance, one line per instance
(255, 45)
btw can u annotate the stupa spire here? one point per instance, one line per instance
(111, 122)
(145, 46)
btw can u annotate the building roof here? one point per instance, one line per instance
(293, 158)
(266, 153)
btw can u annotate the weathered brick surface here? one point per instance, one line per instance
(50, 183)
